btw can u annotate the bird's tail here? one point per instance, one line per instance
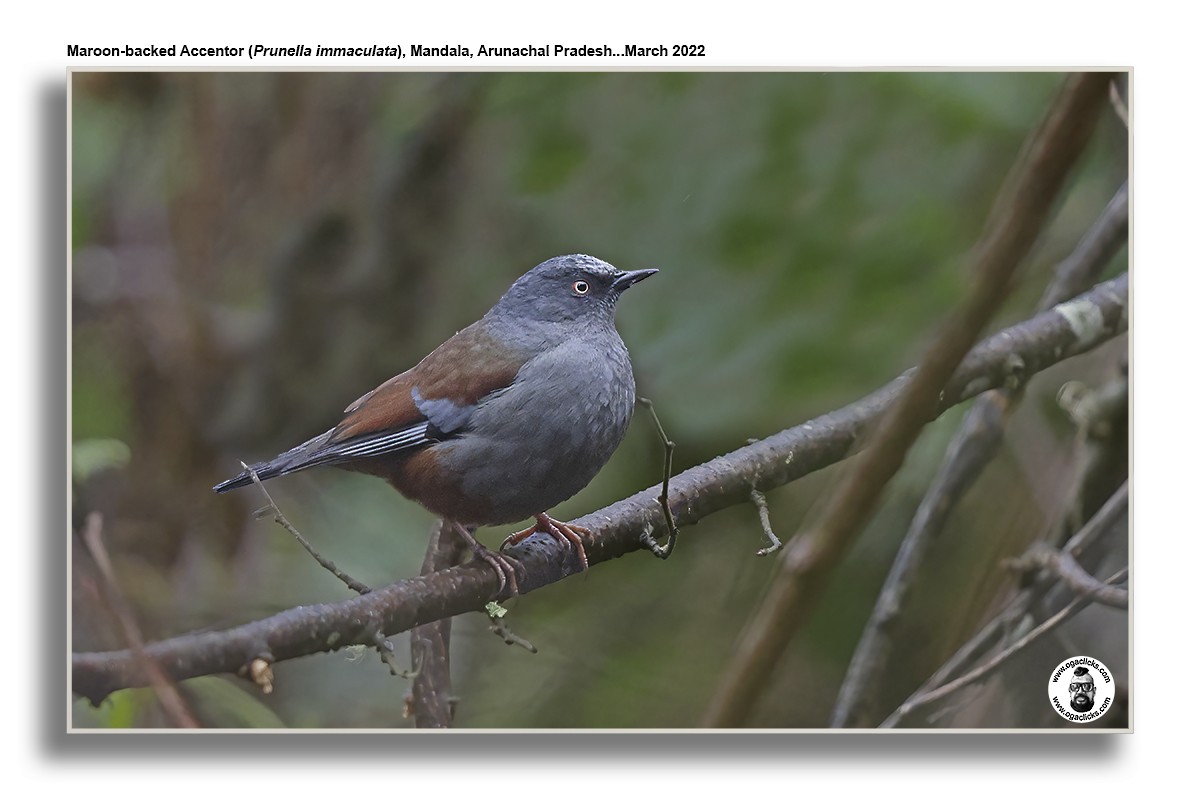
(300, 457)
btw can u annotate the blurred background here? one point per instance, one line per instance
(253, 251)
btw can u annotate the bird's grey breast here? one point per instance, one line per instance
(543, 439)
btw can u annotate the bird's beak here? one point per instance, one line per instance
(627, 279)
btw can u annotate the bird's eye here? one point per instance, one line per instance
(580, 288)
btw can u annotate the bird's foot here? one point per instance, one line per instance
(504, 566)
(570, 535)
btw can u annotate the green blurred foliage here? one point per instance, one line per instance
(89, 456)
(253, 251)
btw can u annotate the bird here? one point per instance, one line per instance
(504, 420)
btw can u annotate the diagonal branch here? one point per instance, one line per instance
(1013, 354)
(1016, 219)
(972, 449)
(169, 697)
(277, 516)
(995, 662)
(992, 634)
(1043, 556)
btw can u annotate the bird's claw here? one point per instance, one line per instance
(570, 535)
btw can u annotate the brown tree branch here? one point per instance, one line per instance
(992, 634)
(432, 703)
(1103, 240)
(972, 449)
(1042, 556)
(995, 662)
(169, 697)
(1114, 509)
(1011, 355)
(1017, 218)
(260, 671)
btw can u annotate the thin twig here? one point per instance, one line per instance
(1101, 457)
(498, 626)
(1042, 556)
(760, 502)
(996, 661)
(994, 632)
(664, 498)
(280, 519)
(1114, 509)
(973, 447)
(1017, 218)
(1096, 248)
(385, 648)
(169, 697)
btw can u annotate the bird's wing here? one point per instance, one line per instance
(429, 403)
(435, 399)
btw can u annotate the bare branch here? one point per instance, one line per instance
(432, 703)
(281, 520)
(1115, 509)
(172, 702)
(498, 626)
(1017, 217)
(661, 551)
(764, 518)
(996, 661)
(696, 493)
(385, 648)
(1103, 240)
(1043, 556)
(994, 632)
(972, 449)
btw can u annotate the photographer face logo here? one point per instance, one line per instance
(1081, 689)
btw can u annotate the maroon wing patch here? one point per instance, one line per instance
(463, 370)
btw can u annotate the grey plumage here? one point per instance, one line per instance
(516, 413)
(544, 439)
